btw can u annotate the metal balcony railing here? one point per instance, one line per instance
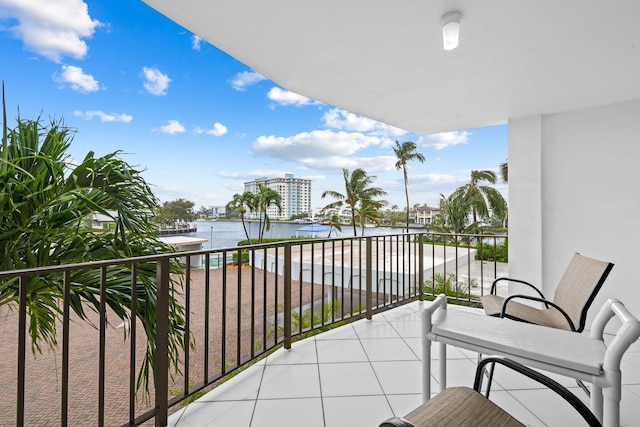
(240, 304)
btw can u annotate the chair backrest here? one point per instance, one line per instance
(579, 285)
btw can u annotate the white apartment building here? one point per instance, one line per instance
(295, 194)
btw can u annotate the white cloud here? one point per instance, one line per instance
(77, 79)
(306, 146)
(172, 127)
(50, 28)
(370, 164)
(325, 150)
(252, 174)
(345, 120)
(217, 130)
(439, 141)
(155, 81)
(196, 41)
(104, 117)
(244, 79)
(438, 180)
(284, 97)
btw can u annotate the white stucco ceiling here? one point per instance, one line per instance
(384, 59)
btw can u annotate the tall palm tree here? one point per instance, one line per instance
(482, 198)
(406, 152)
(357, 188)
(264, 199)
(44, 202)
(243, 203)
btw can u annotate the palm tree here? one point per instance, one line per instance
(482, 198)
(393, 214)
(264, 199)
(453, 219)
(504, 171)
(243, 203)
(504, 174)
(453, 216)
(334, 222)
(369, 211)
(406, 152)
(44, 202)
(357, 187)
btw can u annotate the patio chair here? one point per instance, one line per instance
(465, 407)
(574, 294)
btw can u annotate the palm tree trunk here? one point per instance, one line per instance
(244, 225)
(406, 193)
(353, 221)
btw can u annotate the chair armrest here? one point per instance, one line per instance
(495, 282)
(573, 400)
(396, 422)
(547, 303)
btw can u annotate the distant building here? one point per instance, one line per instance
(295, 194)
(423, 215)
(218, 211)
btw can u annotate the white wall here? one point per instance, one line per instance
(574, 186)
(525, 175)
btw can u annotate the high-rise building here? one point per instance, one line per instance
(295, 194)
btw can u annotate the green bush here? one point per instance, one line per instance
(244, 258)
(448, 285)
(488, 253)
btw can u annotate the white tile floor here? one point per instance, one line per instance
(367, 371)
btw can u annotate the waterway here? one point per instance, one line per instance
(226, 234)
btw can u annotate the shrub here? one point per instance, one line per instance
(449, 285)
(488, 253)
(244, 258)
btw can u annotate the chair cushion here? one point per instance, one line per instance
(551, 317)
(460, 406)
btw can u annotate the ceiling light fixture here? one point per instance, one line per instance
(451, 30)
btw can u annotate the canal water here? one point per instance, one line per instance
(226, 234)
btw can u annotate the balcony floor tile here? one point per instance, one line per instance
(387, 349)
(287, 413)
(302, 352)
(356, 411)
(201, 413)
(399, 377)
(293, 381)
(349, 379)
(332, 351)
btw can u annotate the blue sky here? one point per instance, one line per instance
(200, 122)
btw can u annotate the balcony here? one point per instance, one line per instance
(365, 372)
(255, 312)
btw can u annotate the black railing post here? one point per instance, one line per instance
(102, 358)
(22, 332)
(421, 266)
(287, 296)
(369, 269)
(162, 343)
(64, 404)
